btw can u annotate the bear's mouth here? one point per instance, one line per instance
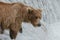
(37, 25)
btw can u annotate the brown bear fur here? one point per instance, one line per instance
(13, 14)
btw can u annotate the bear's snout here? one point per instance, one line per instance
(39, 25)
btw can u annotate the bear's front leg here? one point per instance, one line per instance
(14, 28)
(20, 30)
(19, 22)
(13, 34)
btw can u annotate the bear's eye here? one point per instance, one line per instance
(36, 17)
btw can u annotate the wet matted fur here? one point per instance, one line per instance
(13, 14)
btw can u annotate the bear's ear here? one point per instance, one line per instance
(39, 10)
(29, 10)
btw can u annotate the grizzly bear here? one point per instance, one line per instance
(13, 14)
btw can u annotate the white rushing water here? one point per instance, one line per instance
(50, 18)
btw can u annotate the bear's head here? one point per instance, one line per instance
(34, 16)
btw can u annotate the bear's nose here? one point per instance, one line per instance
(39, 25)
